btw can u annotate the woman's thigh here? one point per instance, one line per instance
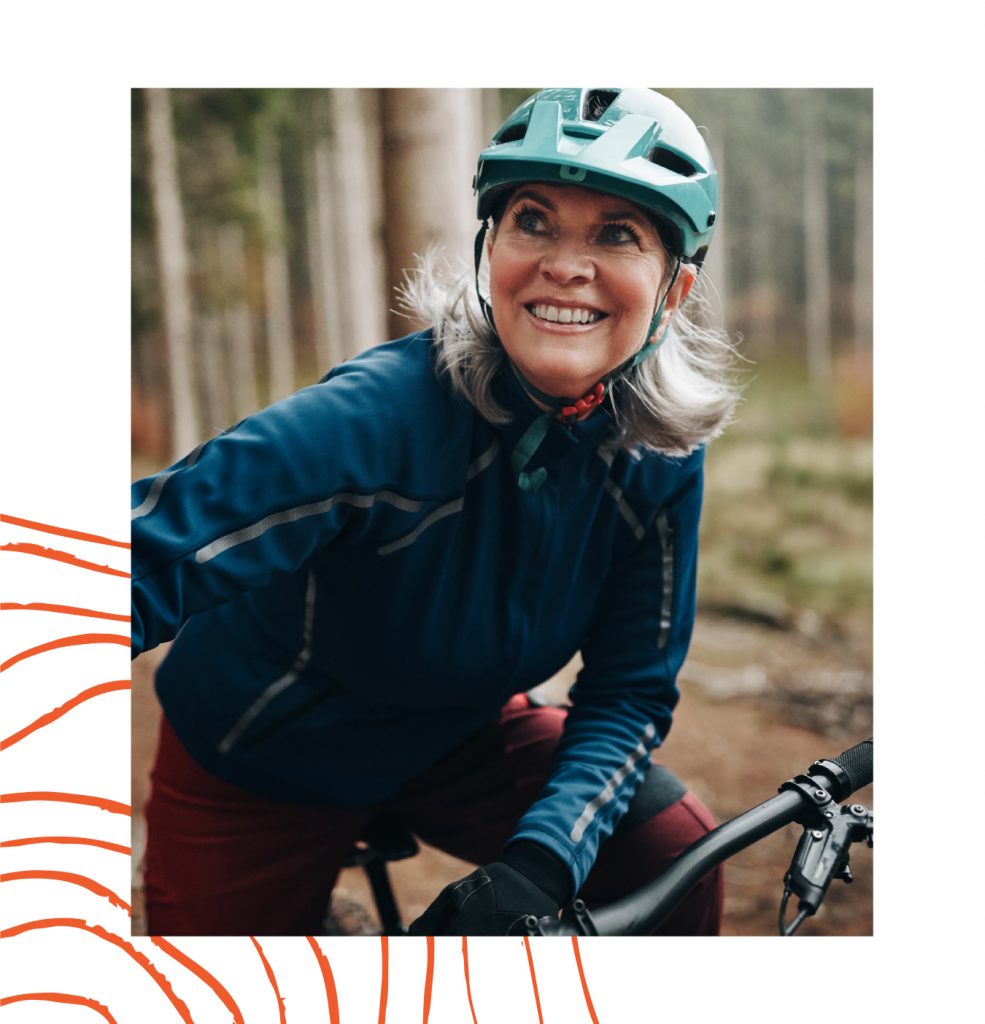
(222, 861)
(468, 805)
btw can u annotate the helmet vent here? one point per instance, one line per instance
(672, 161)
(597, 102)
(513, 133)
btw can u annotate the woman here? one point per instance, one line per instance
(369, 575)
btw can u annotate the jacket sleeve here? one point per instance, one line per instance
(257, 501)
(624, 697)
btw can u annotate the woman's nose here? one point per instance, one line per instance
(568, 260)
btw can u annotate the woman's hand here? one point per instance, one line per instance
(493, 900)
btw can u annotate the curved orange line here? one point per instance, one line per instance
(202, 974)
(61, 556)
(65, 609)
(428, 978)
(328, 978)
(113, 806)
(272, 979)
(584, 983)
(115, 940)
(72, 840)
(68, 641)
(68, 876)
(61, 997)
(384, 976)
(468, 984)
(62, 531)
(53, 716)
(533, 979)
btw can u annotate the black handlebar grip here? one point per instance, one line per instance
(856, 763)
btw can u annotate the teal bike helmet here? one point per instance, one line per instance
(633, 143)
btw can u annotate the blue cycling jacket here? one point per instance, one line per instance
(360, 585)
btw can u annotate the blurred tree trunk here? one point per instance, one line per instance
(236, 321)
(432, 138)
(818, 298)
(276, 276)
(321, 233)
(173, 259)
(716, 266)
(357, 194)
(862, 291)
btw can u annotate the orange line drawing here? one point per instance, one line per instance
(584, 983)
(67, 876)
(384, 976)
(61, 997)
(326, 972)
(67, 641)
(62, 531)
(59, 712)
(273, 980)
(428, 978)
(533, 979)
(113, 806)
(115, 940)
(65, 609)
(468, 984)
(72, 840)
(61, 556)
(201, 973)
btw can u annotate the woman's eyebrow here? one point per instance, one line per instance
(628, 214)
(537, 197)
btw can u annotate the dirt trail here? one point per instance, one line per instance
(758, 705)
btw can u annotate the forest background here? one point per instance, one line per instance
(270, 228)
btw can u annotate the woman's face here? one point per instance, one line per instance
(575, 278)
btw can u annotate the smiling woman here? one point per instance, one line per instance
(369, 576)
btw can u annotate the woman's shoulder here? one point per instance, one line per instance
(659, 480)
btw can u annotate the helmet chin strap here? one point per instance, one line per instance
(565, 410)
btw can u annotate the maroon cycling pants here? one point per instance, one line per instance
(223, 861)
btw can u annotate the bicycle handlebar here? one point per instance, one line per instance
(645, 910)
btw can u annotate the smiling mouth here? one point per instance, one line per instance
(565, 314)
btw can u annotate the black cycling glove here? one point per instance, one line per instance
(495, 899)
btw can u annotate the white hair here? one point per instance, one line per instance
(671, 403)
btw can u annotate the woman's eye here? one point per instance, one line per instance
(528, 221)
(618, 234)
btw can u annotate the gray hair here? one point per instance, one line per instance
(671, 403)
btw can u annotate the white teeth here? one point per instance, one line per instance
(565, 314)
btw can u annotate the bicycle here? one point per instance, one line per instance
(812, 799)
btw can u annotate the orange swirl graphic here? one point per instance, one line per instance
(272, 979)
(384, 977)
(326, 972)
(62, 531)
(70, 840)
(94, 929)
(67, 641)
(62, 556)
(60, 997)
(533, 979)
(584, 983)
(53, 716)
(468, 983)
(113, 806)
(64, 609)
(200, 972)
(67, 876)
(428, 978)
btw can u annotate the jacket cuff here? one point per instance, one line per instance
(542, 867)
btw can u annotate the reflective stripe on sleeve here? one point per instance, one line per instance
(608, 794)
(667, 562)
(621, 503)
(287, 679)
(292, 515)
(153, 495)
